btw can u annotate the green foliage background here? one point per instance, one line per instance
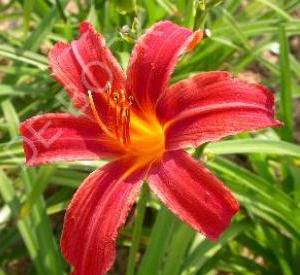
(259, 37)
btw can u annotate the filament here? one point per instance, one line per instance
(119, 107)
(97, 117)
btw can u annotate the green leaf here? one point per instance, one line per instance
(137, 230)
(24, 56)
(38, 36)
(11, 118)
(60, 10)
(42, 180)
(244, 146)
(285, 103)
(177, 249)
(159, 241)
(24, 226)
(258, 196)
(276, 9)
(125, 6)
(208, 249)
(28, 6)
(47, 244)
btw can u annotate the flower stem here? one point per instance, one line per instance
(201, 15)
(199, 150)
(137, 230)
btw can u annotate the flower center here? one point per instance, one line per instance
(147, 138)
(141, 138)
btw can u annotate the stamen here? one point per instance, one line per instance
(108, 94)
(116, 98)
(97, 117)
(127, 123)
(108, 87)
(126, 119)
(127, 114)
(130, 99)
(123, 96)
(120, 108)
(116, 118)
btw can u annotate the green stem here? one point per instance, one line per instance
(200, 15)
(137, 230)
(199, 150)
(202, 8)
(61, 10)
(200, 19)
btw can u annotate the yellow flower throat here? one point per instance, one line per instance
(141, 138)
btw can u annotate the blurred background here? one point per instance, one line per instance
(257, 40)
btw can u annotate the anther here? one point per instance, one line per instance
(116, 98)
(108, 87)
(130, 99)
(108, 90)
(108, 98)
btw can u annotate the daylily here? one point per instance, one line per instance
(144, 126)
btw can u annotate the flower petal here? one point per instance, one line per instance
(95, 215)
(193, 193)
(86, 64)
(153, 60)
(213, 105)
(62, 137)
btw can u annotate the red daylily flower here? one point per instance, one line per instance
(144, 125)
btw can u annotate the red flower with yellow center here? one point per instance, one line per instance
(143, 125)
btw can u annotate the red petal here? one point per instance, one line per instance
(95, 215)
(153, 60)
(213, 105)
(193, 193)
(61, 137)
(86, 64)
